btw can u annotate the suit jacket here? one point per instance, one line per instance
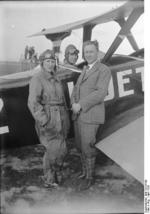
(90, 91)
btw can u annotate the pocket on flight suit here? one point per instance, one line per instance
(41, 117)
(54, 123)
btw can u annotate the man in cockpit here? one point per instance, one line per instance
(71, 55)
(70, 60)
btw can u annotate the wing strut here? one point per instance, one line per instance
(87, 32)
(130, 37)
(123, 32)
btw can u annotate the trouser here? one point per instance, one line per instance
(85, 136)
(53, 136)
(88, 166)
(53, 160)
(52, 171)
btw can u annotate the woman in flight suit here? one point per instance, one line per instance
(47, 104)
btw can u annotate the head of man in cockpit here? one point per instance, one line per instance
(71, 55)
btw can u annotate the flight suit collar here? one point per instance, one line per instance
(49, 76)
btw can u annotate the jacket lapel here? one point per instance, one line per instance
(84, 77)
(79, 83)
(91, 71)
(81, 77)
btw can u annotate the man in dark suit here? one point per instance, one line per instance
(88, 108)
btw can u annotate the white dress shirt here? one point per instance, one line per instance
(91, 65)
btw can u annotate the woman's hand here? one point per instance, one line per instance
(43, 120)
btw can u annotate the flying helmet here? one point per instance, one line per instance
(71, 49)
(47, 54)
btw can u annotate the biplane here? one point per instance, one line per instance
(121, 137)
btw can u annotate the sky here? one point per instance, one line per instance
(18, 20)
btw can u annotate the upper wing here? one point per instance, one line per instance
(115, 14)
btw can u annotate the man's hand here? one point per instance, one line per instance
(76, 108)
(92, 144)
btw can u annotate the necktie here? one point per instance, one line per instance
(87, 69)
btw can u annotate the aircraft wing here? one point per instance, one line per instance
(22, 78)
(17, 79)
(115, 14)
(126, 148)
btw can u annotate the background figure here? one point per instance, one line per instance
(34, 59)
(47, 104)
(88, 108)
(31, 52)
(26, 52)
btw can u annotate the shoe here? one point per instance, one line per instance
(81, 176)
(50, 185)
(59, 178)
(86, 184)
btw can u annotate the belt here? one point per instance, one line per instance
(55, 104)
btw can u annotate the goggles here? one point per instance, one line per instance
(49, 58)
(75, 52)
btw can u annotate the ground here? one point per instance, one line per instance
(22, 190)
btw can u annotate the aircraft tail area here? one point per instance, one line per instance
(121, 146)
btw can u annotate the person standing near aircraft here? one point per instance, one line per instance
(47, 104)
(88, 108)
